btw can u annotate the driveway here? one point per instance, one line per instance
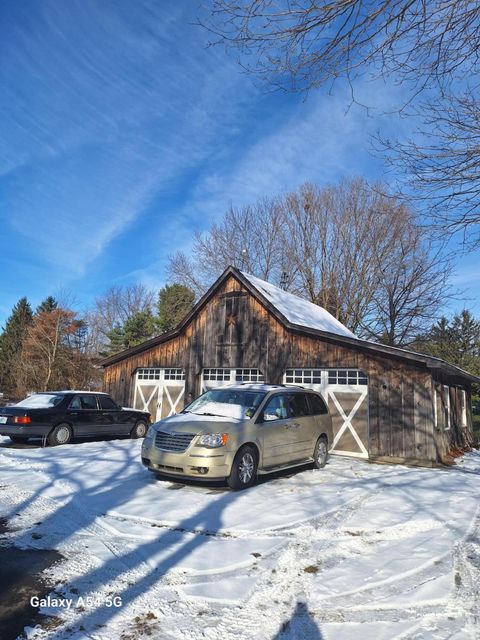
(349, 552)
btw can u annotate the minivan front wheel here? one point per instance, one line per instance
(244, 469)
(320, 455)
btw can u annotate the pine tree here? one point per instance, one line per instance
(466, 331)
(174, 302)
(456, 341)
(117, 341)
(11, 343)
(138, 328)
(48, 305)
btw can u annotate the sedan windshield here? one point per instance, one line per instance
(40, 401)
(231, 403)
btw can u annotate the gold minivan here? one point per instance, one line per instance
(236, 432)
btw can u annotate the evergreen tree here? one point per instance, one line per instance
(11, 343)
(138, 328)
(174, 303)
(48, 305)
(456, 341)
(466, 331)
(116, 339)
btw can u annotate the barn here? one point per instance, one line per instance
(387, 404)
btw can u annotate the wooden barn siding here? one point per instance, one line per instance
(400, 395)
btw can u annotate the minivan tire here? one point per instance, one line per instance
(244, 469)
(320, 455)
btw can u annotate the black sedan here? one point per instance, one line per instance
(59, 416)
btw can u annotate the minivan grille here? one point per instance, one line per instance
(177, 442)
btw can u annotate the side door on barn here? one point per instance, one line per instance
(160, 391)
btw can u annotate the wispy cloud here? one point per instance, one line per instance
(101, 110)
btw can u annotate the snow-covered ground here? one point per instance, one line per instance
(354, 551)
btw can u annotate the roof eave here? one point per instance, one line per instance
(429, 362)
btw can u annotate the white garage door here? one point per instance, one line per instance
(212, 378)
(346, 393)
(159, 391)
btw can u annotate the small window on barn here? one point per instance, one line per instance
(446, 400)
(249, 375)
(463, 396)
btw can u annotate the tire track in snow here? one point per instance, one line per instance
(282, 582)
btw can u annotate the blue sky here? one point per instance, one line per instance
(122, 133)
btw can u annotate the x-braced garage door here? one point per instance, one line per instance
(159, 391)
(346, 393)
(212, 378)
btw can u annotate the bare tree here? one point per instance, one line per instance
(430, 48)
(442, 164)
(301, 44)
(250, 238)
(360, 255)
(349, 248)
(412, 285)
(113, 309)
(54, 355)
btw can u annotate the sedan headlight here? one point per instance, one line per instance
(213, 440)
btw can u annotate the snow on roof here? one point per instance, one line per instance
(298, 310)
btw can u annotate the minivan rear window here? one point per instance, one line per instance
(318, 405)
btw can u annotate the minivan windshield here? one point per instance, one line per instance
(229, 403)
(40, 401)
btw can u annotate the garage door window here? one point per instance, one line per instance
(248, 375)
(174, 374)
(347, 376)
(217, 375)
(148, 374)
(303, 376)
(232, 375)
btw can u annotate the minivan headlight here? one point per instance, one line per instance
(213, 440)
(150, 434)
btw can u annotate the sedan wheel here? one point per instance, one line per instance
(61, 434)
(139, 430)
(244, 469)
